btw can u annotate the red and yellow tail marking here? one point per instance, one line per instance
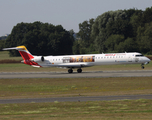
(27, 56)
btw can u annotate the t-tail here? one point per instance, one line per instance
(26, 55)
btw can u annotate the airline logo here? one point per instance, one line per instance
(115, 54)
(110, 54)
(26, 55)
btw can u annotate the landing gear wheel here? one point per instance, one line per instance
(79, 70)
(142, 66)
(70, 71)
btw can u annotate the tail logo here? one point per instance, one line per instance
(26, 55)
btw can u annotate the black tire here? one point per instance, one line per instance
(70, 71)
(79, 70)
(142, 67)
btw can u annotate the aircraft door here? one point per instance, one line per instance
(66, 60)
(136, 60)
(130, 59)
(140, 59)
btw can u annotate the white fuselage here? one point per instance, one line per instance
(78, 61)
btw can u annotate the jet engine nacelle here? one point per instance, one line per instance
(38, 59)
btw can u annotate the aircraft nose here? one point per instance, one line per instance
(149, 60)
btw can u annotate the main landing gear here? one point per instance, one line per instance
(78, 70)
(70, 71)
(142, 66)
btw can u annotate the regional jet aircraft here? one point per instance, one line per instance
(80, 61)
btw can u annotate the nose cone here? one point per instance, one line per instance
(147, 60)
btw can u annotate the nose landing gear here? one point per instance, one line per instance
(142, 66)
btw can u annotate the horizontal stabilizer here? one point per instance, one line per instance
(13, 48)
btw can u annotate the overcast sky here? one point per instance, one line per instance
(68, 13)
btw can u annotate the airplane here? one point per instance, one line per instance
(80, 61)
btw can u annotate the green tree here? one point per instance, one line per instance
(85, 31)
(113, 41)
(2, 44)
(76, 47)
(147, 15)
(41, 39)
(144, 38)
(105, 25)
(84, 35)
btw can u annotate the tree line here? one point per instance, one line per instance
(113, 31)
(40, 39)
(116, 31)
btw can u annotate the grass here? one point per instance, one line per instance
(121, 109)
(53, 87)
(5, 55)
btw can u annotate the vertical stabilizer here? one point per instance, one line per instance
(26, 55)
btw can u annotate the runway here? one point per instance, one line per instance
(85, 74)
(75, 99)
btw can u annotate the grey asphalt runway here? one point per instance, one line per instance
(75, 99)
(85, 74)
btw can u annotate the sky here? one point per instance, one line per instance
(68, 13)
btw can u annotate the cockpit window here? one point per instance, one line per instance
(139, 55)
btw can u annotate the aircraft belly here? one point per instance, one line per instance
(75, 65)
(111, 62)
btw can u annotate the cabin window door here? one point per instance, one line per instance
(129, 59)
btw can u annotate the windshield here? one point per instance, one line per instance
(139, 55)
